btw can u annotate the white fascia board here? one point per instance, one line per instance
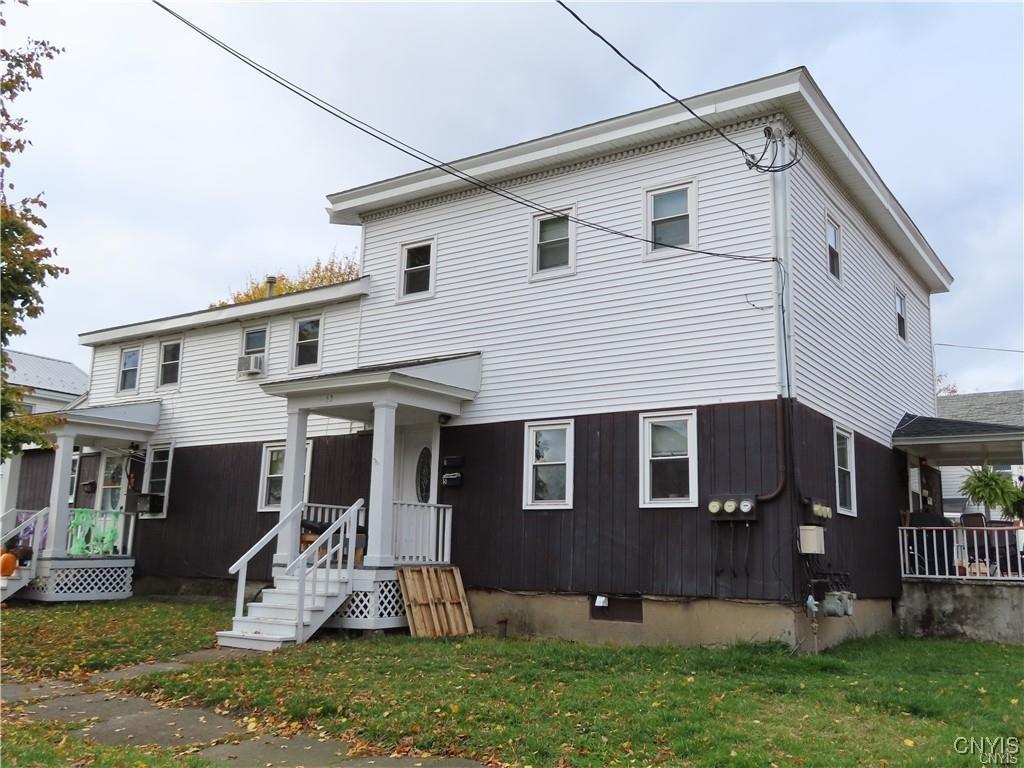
(347, 206)
(368, 383)
(991, 437)
(289, 302)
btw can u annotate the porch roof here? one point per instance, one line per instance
(426, 385)
(957, 442)
(111, 424)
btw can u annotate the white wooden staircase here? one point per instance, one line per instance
(306, 592)
(11, 529)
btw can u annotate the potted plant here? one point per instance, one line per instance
(992, 489)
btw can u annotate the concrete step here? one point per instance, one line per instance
(253, 641)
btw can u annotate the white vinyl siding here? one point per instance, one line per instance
(846, 471)
(213, 404)
(548, 465)
(622, 334)
(848, 364)
(668, 459)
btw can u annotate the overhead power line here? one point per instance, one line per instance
(432, 161)
(984, 349)
(752, 162)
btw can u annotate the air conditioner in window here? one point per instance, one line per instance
(150, 505)
(250, 364)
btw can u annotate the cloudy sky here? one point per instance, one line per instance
(172, 171)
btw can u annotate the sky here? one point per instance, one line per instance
(173, 172)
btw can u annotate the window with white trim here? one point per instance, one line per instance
(669, 217)
(417, 269)
(254, 341)
(833, 242)
(74, 477)
(668, 459)
(548, 465)
(158, 470)
(554, 246)
(128, 373)
(170, 363)
(846, 472)
(272, 471)
(901, 314)
(307, 342)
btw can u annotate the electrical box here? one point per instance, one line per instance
(812, 540)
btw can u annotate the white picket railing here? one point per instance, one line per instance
(422, 533)
(323, 513)
(954, 553)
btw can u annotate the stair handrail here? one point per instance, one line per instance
(349, 520)
(241, 566)
(32, 520)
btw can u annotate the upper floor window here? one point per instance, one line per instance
(901, 314)
(307, 342)
(554, 246)
(669, 219)
(128, 376)
(548, 465)
(846, 473)
(832, 237)
(170, 363)
(254, 341)
(417, 269)
(668, 456)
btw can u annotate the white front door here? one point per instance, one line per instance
(416, 462)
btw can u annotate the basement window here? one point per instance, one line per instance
(833, 240)
(668, 459)
(846, 472)
(548, 465)
(617, 609)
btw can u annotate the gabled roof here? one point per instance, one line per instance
(793, 92)
(930, 426)
(955, 442)
(988, 407)
(46, 373)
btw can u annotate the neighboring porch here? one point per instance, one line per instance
(336, 565)
(69, 552)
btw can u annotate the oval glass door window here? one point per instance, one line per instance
(423, 476)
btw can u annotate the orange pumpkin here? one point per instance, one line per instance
(8, 564)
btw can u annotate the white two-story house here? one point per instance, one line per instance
(613, 410)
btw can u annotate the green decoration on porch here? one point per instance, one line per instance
(93, 532)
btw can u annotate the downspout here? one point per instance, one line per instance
(780, 250)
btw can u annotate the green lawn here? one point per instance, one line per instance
(878, 702)
(74, 639)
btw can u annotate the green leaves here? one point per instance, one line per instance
(993, 489)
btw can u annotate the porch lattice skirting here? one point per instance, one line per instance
(377, 605)
(81, 579)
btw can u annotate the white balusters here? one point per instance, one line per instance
(422, 533)
(954, 553)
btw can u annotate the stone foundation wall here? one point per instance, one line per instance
(972, 610)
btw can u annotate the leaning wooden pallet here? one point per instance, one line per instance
(435, 601)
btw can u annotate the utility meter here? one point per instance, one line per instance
(730, 506)
(747, 506)
(715, 506)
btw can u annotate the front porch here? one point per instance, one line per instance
(336, 565)
(83, 552)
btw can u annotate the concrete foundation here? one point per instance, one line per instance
(671, 621)
(972, 610)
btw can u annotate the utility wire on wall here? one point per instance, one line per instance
(434, 162)
(771, 139)
(983, 349)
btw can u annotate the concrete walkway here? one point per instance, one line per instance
(121, 719)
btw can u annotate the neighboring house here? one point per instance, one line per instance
(611, 440)
(1006, 408)
(51, 385)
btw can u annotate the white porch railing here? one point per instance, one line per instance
(953, 553)
(30, 528)
(333, 552)
(423, 533)
(241, 566)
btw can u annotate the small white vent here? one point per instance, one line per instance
(250, 364)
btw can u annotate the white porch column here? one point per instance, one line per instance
(60, 481)
(293, 484)
(380, 518)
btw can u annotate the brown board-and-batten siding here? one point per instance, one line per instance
(864, 546)
(212, 516)
(606, 543)
(36, 473)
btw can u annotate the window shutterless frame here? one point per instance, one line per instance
(846, 470)
(417, 269)
(668, 459)
(157, 476)
(900, 301)
(272, 476)
(548, 464)
(169, 362)
(670, 217)
(307, 341)
(255, 339)
(553, 245)
(833, 246)
(129, 369)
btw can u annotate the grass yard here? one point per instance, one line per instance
(50, 745)
(878, 702)
(74, 639)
